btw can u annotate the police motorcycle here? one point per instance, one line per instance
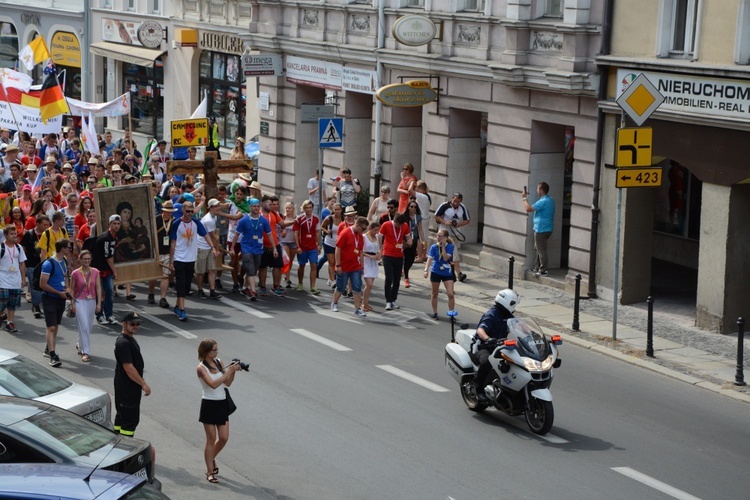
(522, 370)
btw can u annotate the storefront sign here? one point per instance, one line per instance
(262, 65)
(314, 73)
(65, 49)
(150, 34)
(414, 30)
(364, 81)
(695, 95)
(408, 94)
(191, 132)
(114, 30)
(311, 112)
(186, 37)
(221, 42)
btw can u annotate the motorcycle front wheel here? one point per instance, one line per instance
(540, 416)
(470, 398)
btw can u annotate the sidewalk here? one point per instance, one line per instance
(681, 351)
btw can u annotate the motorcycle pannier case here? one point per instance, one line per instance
(458, 362)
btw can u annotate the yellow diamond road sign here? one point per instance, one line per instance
(640, 99)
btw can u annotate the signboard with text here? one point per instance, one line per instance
(191, 132)
(262, 65)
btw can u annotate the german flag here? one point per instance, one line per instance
(51, 99)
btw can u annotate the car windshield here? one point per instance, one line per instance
(23, 378)
(65, 432)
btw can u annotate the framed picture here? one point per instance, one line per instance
(136, 256)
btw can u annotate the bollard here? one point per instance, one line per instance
(650, 328)
(739, 377)
(511, 262)
(577, 305)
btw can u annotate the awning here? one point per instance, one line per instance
(128, 53)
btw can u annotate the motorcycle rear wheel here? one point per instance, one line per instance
(540, 416)
(470, 399)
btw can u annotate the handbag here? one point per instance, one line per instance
(231, 407)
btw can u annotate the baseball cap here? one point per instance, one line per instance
(114, 218)
(178, 178)
(253, 201)
(27, 187)
(212, 202)
(132, 317)
(188, 197)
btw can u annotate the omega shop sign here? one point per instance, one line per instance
(220, 42)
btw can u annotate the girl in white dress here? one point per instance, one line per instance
(371, 250)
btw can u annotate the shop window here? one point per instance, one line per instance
(221, 77)
(146, 87)
(8, 45)
(678, 28)
(678, 205)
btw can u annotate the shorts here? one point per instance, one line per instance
(164, 259)
(355, 277)
(328, 249)
(306, 256)
(205, 262)
(456, 257)
(231, 247)
(53, 309)
(268, 260)
(214, 411)
(251, 263)
(10, 299)
(289, 244)
(183, 276)
(437, 278)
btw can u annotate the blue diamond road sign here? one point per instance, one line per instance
(331, 132)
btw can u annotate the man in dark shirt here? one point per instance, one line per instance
(493, 325)
(29, 242)
(129, 377)
(103, 259)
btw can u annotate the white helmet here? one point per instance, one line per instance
(508, 299)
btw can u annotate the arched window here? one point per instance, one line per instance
(8, 45)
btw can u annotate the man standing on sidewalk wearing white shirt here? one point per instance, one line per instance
(12, 275)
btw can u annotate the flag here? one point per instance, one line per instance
(51, 99)
(116, 107)
(88, 134)
(38, 181)
(11, 79)
(147, 151)
(34, 53)
(22, 111)
(202, 109)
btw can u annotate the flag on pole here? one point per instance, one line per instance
(88, 134)
(51, 99)
(11, 79)
(147, 155)
(34, 53)
(38, 181)
(202, 109)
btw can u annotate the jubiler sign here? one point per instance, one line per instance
(408, 94)
(695, 95)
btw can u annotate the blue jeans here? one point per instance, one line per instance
(108, 290)
(36, 295)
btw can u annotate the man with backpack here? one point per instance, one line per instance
(30, 244)
(54, 282)
(12, 275)
(50, 236)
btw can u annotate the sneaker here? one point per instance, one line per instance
(111, 320)
(263, 292)
(288, 284)
(349, 295)
(334, 307)
(176, 310)
(37, 312)
(201, 294)
(190, 293)
(333, 284)
(182, 315)
(54, 360)
(121, 287)
(389, 306)
(329, 283)
(360, 313)
(130, 297)
(542, 273)
(245, 292)
(407, 283)
(314, 291)
(163, 303)
(279, 291)
(11, 327)
(100, 319)
(151, 299)
(300, 288)
(253, 296)
(214, 295)
(46, 352)
(461, 277)
(434, 316)
(394, 305)
(217, 284)
(235, 288)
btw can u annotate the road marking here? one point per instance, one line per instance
(521, 425)
(244, 308)
(321, 340)
(161, 322)
(654, 483)
(412, 378)
(342, 316)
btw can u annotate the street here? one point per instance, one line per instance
(338, 407)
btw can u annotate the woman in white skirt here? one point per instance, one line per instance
(371, 250)
(87, 300)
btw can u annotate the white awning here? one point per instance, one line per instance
(128, 53)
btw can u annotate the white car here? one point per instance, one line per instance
(21, 377)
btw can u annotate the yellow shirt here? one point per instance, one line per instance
(49, 238)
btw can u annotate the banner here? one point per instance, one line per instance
(117, 107)
(11, 79)
(29, 120)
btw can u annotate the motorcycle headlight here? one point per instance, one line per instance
(533, 365)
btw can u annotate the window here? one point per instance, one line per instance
(146, 87)
(414, 3)
(474, 5)
(130, 5)
(155, 6)
(742, 39)
(107, 4)
(678, 28)
(8, 45)
(553, 8)
(221, 77)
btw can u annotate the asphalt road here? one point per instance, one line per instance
(337, 407)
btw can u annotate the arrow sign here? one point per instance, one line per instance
(331, 132)
(638, 177)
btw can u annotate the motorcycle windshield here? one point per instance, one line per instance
(530, 340)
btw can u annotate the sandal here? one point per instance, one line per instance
(216, 469)
(85, 358)
(367, 308)
(78, 349)
(211, 478)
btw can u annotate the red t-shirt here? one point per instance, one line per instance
(80, 220)
(84, 232)
(308, 230)
(273, 219)
(393, 239)
(351, 250)
(343, 226)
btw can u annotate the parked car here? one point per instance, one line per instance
(36, 432)
(21, 377)
(48, 481)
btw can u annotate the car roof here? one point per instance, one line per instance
(64, 481)
(13, 409)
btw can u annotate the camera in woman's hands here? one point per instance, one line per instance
(243, 366)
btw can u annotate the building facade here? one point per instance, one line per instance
(516, 89)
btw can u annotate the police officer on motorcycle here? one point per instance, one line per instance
(493, 326)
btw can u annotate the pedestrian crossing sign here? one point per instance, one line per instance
(331, 132)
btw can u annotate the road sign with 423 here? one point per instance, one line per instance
(638, 177)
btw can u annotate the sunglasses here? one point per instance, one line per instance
(189, 211)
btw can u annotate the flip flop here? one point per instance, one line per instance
(85, 358)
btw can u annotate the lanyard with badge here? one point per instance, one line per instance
(308, 223)
(167, 228)
(12, 254)
(400, 229)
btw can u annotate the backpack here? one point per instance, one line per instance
(47, 233)
(36, 280)
(90, 242)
